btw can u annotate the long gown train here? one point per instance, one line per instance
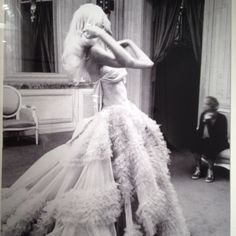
(115, 164)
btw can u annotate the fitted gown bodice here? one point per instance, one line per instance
(110, 88)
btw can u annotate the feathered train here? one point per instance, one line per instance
(117, 160)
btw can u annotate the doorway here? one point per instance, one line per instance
(177, 87)
(177, 79)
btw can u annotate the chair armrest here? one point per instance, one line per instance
(28, 107)
(225, 154)
(29, 112)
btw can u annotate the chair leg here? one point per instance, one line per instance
(37, 136)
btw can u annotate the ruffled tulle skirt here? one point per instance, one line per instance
(110, 179)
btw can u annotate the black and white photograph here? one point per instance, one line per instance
(116, 118)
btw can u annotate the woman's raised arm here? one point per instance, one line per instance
(119, 56)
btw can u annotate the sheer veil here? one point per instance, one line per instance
(76, 45)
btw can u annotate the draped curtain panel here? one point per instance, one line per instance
(165, 15)
(44, 38)
(177, 66)
(38, 39)
(216, 53)
(165, 21)
(194, 12)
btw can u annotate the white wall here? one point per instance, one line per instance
(59, 110)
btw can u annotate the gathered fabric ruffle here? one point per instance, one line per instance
(88, 207)
(140, 156)
(114, 160)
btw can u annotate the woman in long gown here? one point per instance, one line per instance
(111, 178)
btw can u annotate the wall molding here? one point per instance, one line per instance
(27, 76)
(43, 81)
(59, 110)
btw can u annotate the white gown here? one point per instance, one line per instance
(115, 162)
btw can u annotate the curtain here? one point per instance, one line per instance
(37, 39)
(177, 68)
(43, 38)
(194, 12)
(164, 26)
(165, 20)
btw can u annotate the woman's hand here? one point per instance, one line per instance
(209, 116)
(91, 31)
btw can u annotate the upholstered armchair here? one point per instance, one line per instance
(223, 159)
(16, 116)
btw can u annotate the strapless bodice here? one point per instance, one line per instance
(110, 88)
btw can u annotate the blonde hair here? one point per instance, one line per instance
(74, 55)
